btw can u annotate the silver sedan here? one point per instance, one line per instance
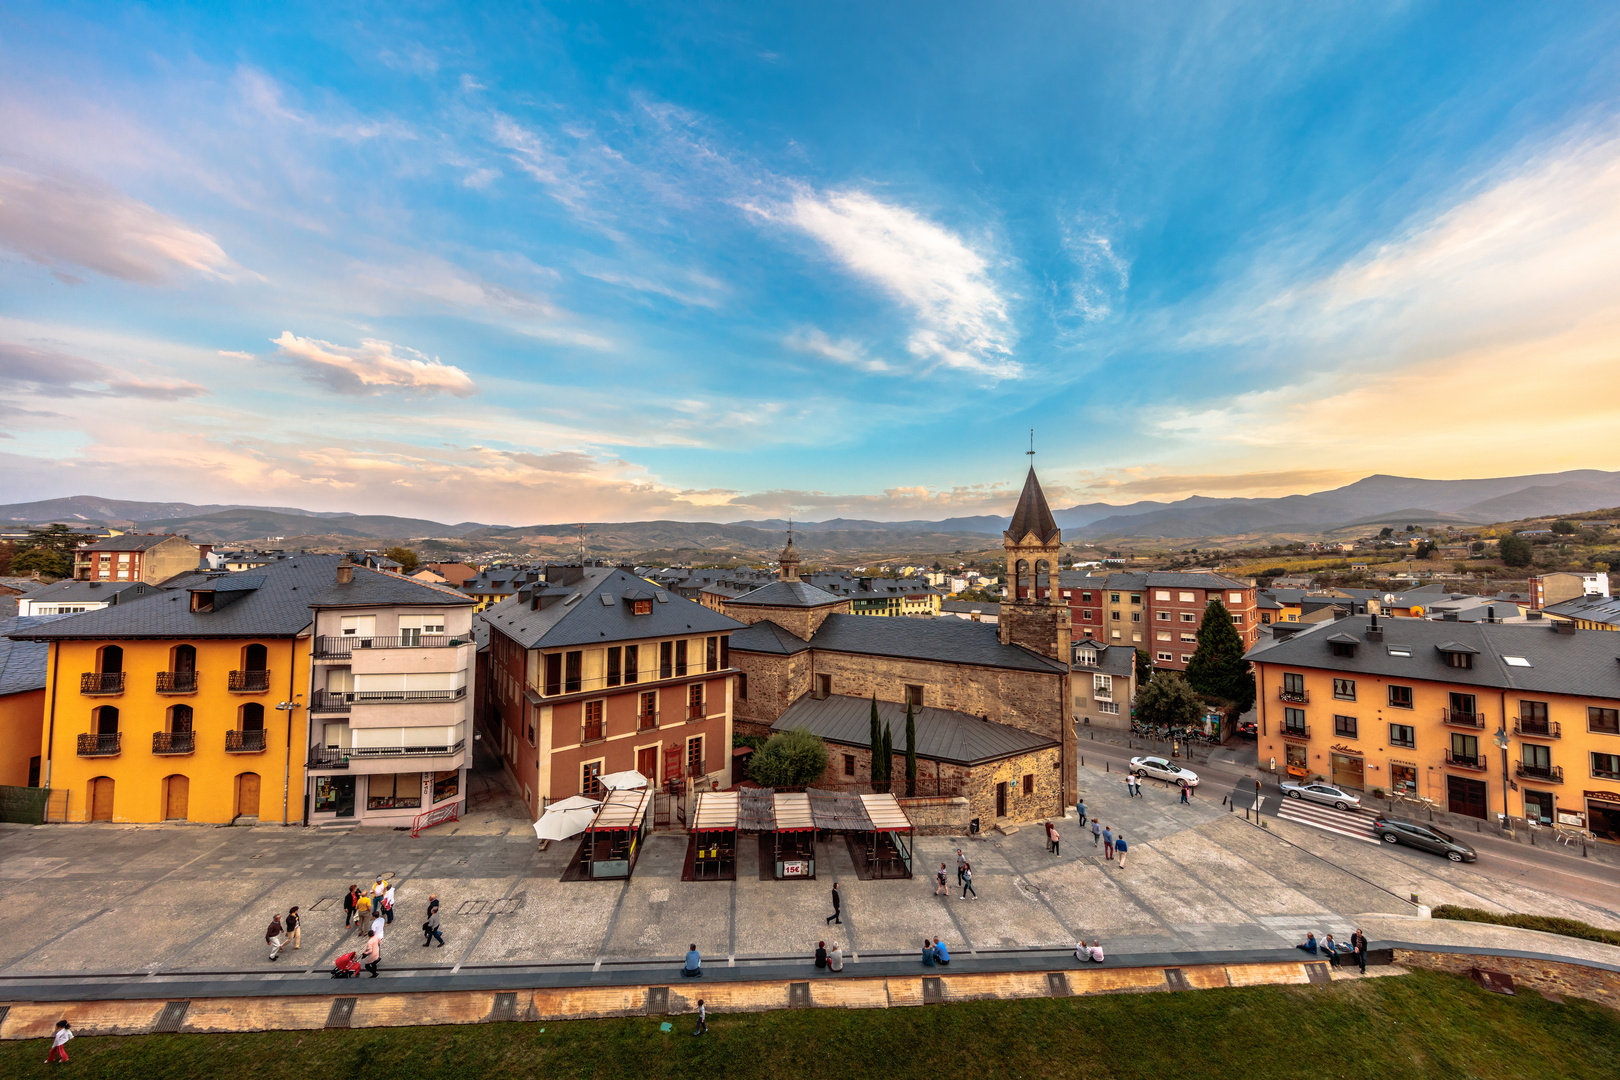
(1322, 793)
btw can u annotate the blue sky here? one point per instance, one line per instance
(606, 262)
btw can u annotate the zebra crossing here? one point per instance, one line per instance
(1356, 824)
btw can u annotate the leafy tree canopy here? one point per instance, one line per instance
(789, 759)
(1218, 668)
(405, 557)
(1169, 701)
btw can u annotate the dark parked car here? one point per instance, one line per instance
(1427, 837)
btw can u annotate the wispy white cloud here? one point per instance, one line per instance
(1101, 276)
(72, 224)
(960, 320)
(840, 351)
(373, 368)
(51, 372)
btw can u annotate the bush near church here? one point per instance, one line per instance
(789, 759)
(1169, 702)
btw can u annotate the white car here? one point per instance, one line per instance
(1162, 769)
(1322, 793)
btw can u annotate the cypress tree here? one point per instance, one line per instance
(1218, 668)
(888, 755)
(911, 753)
(877, 747)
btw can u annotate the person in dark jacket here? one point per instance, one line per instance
(837, 906)
(294, 927)
(349, 903)
(272, 936)
(821, 954)
(1358, 941)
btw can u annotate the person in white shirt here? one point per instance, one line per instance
(377, 926)
(835, 959)
(703, 1019)
(59, 1045)
(388, 902)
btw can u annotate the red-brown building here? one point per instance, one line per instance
(152, 558)
(1157, 610)
(593, 670)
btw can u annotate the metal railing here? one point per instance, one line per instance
(1301, 731)
(1553, 774)
(327, 757)
(249, 682)
(410, 697)
(336, 648)
(1458, 718)
(177, 682)
(93, 745)
(1465, 761)
(328, 701)
(250, 741)
(643, 678)
(173, 742)
(1538, 729)
(101, 682)
(1303, 697)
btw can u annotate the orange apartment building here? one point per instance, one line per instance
(1481, 717)
(595, 671)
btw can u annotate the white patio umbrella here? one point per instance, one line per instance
(623, 781)
(570, 817)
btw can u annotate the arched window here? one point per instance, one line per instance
(252, 716)
(106, 720)
(255, 658)
(110, 660)
(179, 719)
(183, 659)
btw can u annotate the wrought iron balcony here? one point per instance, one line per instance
(1458, 718)
(1552, 774)
(328, 701)
(1537, 729)
(173, 742)
(1298, 731)
(101, 682)
(327, 757)
(249, 682)
(177, 682)
(1465, 761)
(92, 745)
(250, 741)
(1301, 697)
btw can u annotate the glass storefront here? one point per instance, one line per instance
(394, 791)
(446, 785)
(1403, 779)
(1348, 771)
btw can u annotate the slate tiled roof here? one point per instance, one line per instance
(1585, 662)
(1032, 514)
(22, 663)
(21, 584)
(788, 594)
(766, 637)
(1598, 609)
(90, 592)
(957, 641)
(373, 588)
(942, 734)
(579, 616)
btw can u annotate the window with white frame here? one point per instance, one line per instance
(1188, 616)
(1166, 657)
(359, 626)
(1187, 597)
(1102, 687)
(1235, 598)
(1162, 594)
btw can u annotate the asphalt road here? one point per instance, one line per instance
(1554, 869)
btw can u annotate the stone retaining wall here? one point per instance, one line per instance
(1546, 975)
(938, 817)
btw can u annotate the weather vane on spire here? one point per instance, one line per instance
(1031, 450)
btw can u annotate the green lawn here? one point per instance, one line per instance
(1418, 1025)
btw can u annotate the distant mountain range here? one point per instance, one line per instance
(1372, 501)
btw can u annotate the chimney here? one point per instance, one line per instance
(345, 572)
(1490, 613)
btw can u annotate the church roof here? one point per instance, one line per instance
(787, 594)
(1032, 515)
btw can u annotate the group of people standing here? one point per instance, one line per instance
(1356, 949)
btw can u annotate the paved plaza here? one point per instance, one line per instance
(176, 899)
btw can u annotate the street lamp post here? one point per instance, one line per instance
(289, 707)
(1502, 744)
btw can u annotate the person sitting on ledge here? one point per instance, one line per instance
(928, 953)
(694, 962)
(821, 954)
(942, 955)
(1330, 950)
(1095, 952)
(1310, 944)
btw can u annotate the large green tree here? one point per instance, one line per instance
(1169, 701)
(1516, 551)
(888, 759)
(789, 759)
(47, 551)
(911, 753)
(1217, 667)
(1144, 667)
(408, 562)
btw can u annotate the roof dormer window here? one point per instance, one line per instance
(1458, 655)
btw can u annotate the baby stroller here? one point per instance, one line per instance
(346, 966)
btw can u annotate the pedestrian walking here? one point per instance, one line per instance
(350, 903)
(967, 883)
(1046, 827)
(835, 959)
(939, 881)
(372, 956)
(961, 863)
(821, 954)
(433, 902)
(430, 929)
(388, 904)
(1358, 941)
(1052, 837)
(1119, 846)
(703, 1019)
(1108, 843)
(64, 1032)
(1081, 809)
(694, 962)
(272, 936)
(838, 903)
(1096, 832)
(294, 927)
(1184, 790)
(378, 924)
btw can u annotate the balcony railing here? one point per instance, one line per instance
(644, 678)
(173, 742)
(1299, 731)
(336, 648)
(1538, 729)
(177, 682)
(594, 732)
(1458, 718)
(1552, 774)
(250, 741)
(1605, 774)
(100, 745)
(101, 682)
(409, 697)
(249, 682)
(327, 757)
(328, 701)
(1465, 761)
(646, 721)
(1302, 697)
